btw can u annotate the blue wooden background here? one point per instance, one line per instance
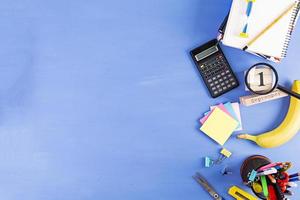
(101, 100)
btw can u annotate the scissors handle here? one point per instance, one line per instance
(201, 180)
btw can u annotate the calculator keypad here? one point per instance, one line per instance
(218, 75)
(214, 68)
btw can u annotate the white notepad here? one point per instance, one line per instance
(274, 42)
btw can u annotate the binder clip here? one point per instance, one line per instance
(224, 154)
(208, 162)
(252, 176)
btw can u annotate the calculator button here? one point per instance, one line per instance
(227, 72)
(219, 76)
(227, 81)
(231, 79)
(234, 83)
(222, 84)
(224, 88)
(209, 80)
(216, 92)
(223, 73)
(218, 86)
(216, 82)
(213, 88)
(220, 90)
(214, 78)
(212, 84)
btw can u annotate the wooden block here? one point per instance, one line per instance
(254, 99)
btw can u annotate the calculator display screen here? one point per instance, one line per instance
(206, 53)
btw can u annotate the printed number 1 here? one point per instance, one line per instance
(261, 75)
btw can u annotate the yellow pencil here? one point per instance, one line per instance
(270, 25)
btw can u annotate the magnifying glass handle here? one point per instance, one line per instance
(285, 90)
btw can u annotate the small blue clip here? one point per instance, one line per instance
(208, 162)
(252, 175)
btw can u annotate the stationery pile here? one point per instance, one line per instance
(221, 121)
(272, 181)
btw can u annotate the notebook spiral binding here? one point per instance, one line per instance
(292, 24)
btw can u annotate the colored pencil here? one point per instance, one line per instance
(270, 25)
(294, 175)
(294, 179)
(292, 184)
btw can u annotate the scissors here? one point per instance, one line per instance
(206, 186)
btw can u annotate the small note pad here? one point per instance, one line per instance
(206, 116)
(234, 110)
(219, 126)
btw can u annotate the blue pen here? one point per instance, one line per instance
(244, 32)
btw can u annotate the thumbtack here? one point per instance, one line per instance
(226, 171)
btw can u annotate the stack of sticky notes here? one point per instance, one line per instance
(221, 121)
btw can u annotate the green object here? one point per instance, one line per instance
(264, 185)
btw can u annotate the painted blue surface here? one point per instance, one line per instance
(100, 100)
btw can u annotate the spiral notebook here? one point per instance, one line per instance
(274, 43)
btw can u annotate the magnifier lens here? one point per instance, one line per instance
(261, 79)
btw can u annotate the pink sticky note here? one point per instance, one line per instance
(221, 106)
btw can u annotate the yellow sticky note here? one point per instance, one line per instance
(219, 126)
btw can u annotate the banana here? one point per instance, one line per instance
(286, 130)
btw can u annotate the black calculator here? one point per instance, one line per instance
(214, 68)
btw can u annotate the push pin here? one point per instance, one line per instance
(226, 171)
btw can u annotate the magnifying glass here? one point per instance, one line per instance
(262, 79)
